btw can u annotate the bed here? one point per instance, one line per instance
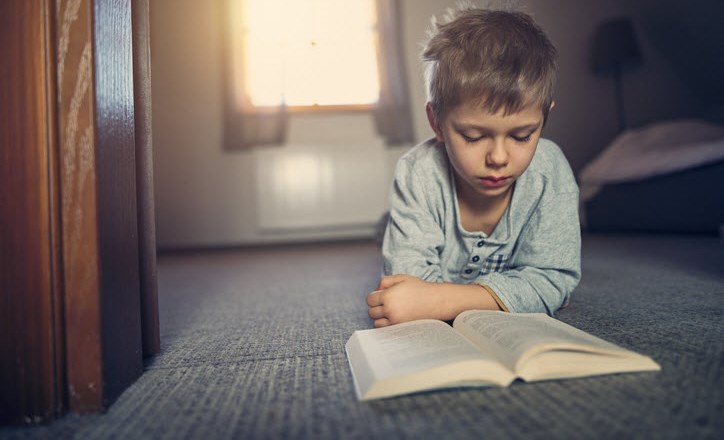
(663, 177)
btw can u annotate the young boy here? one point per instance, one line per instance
(485, 215)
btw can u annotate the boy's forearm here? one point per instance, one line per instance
(457, 298)
(532, 290)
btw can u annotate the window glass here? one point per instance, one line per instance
(310, 53)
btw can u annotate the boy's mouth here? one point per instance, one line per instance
(494, 182)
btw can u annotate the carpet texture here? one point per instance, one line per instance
(253, 347)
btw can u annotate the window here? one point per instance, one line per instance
(308, 53)
(300, 55)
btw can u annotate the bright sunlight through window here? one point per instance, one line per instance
(310, 52)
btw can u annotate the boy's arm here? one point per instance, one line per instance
(403, 298)
(414, 235)
(547, 264)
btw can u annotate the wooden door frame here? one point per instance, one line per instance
(78, 307)
(31, 361)
(141, 27)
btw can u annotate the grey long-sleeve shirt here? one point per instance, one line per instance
(532, 260)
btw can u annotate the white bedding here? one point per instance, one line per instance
(653, 150)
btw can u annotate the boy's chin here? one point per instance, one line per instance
(494, 192)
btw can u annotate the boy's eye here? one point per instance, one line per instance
(472, 138)
(522, 139)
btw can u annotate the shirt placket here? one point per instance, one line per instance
(478, 255)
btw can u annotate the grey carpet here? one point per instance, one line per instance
(252, 347)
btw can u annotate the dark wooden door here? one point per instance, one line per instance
(29, 278)
(78, 305)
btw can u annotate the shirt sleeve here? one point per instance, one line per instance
(414, 236)
(546, 264)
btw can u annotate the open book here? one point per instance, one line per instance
(482, 348)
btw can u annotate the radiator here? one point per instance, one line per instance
(321, 187)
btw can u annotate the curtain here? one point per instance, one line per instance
(245, 125)
(393, 119)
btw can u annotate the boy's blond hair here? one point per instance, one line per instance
(502, 59)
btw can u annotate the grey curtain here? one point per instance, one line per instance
(248, 127)
(392, 114)
(245, 125)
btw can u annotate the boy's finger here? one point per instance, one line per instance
(391, 280)
(374, 298)
(384, 322)
(376, 312)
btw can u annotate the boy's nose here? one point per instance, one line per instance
(497, 156)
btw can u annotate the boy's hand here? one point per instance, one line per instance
(402, 298)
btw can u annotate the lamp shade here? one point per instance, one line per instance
(615, 46)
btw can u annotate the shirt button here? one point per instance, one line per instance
(468, 271)
(476, 259)
(481, 243)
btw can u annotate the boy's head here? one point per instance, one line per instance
(501, 59)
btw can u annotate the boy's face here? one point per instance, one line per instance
(487, 151)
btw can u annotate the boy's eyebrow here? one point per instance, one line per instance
(533, 126)
(467, 126)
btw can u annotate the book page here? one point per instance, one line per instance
(414, 346)
(416, 356)
(510, 336)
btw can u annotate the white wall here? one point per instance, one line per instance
(207, 196)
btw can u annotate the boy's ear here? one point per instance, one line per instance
(434, 123)
(553, 105)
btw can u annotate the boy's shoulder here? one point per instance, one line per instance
(548, 153)
(425, 157)
(427, 150)
(550, 164)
